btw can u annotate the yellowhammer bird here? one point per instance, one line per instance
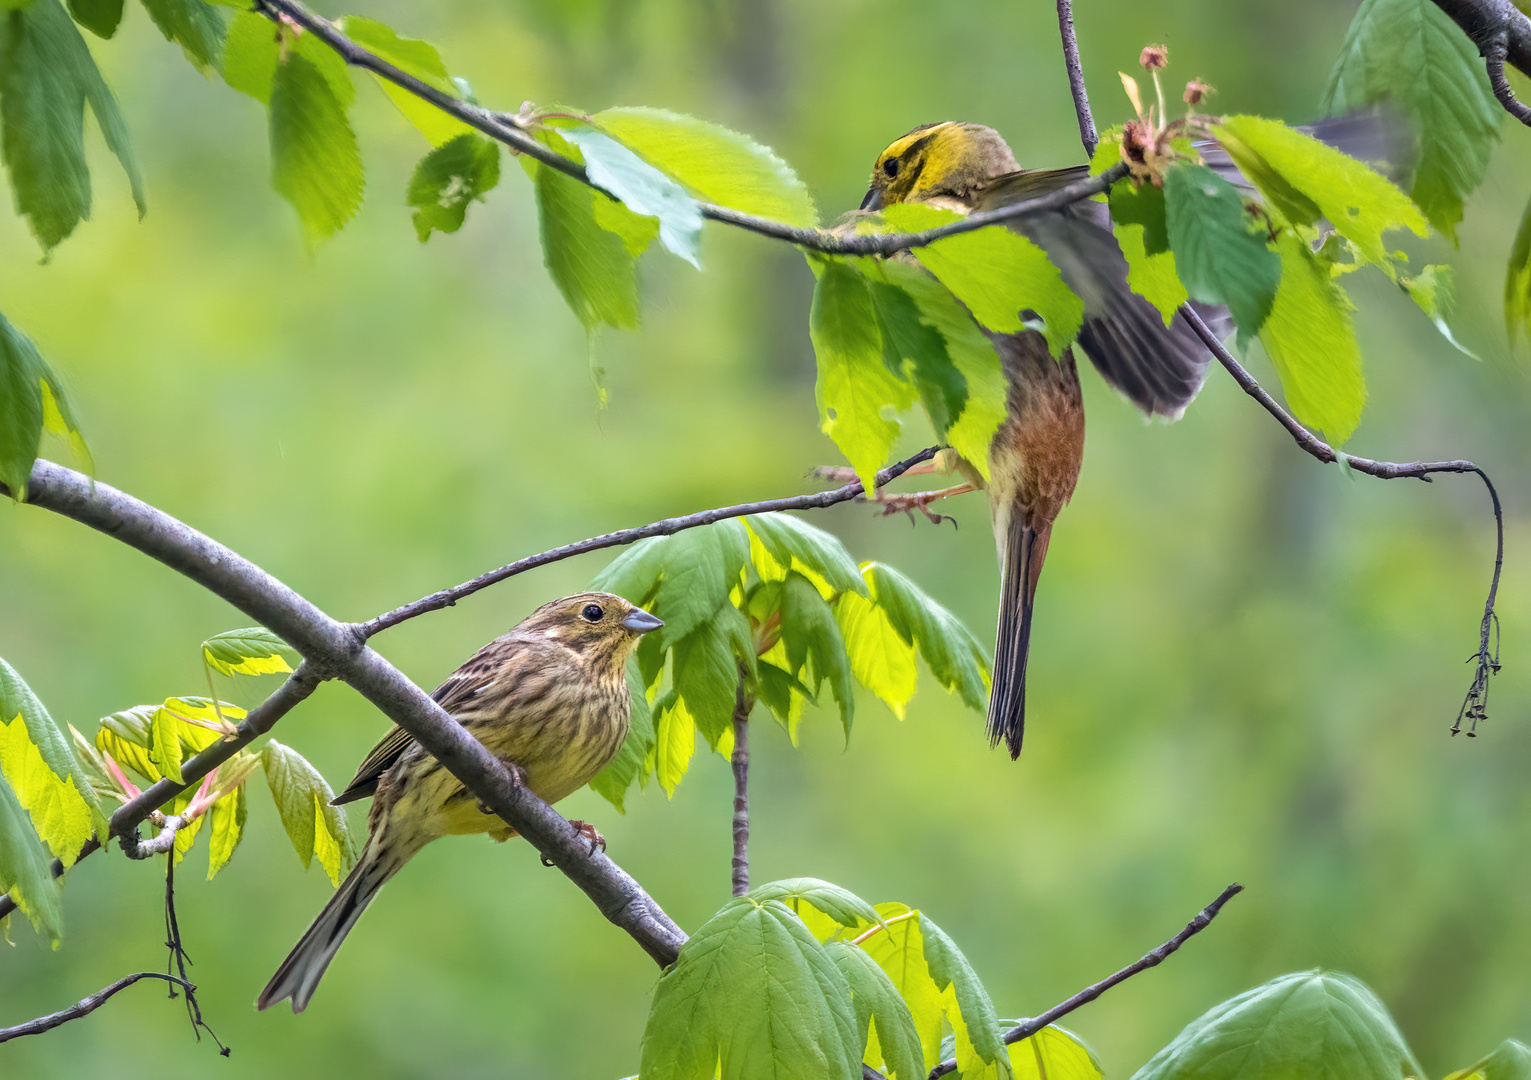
(1035, 456)
(549, 698)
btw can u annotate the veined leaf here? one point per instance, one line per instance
(973, 1020)
(39, 765)
(315, 164)
(47, 76)
(252, 651)
(843, 906)
(916, 351)
(634, 573)
(1142, 206)
(1313, 346)
(226, 829)
(681, 578)
(721, 166)
(883, 1020)
(898, 947)
(814, 648)
(413, 57)
(303, 801)
(1152, 277)
(752, 994)
(642, 188)
(31, 400)
(1316, 1024)
(674, 741)
(1511, 1060)
(612, 782)
(1218, 258)
(791, 543)
(250, 53)
(1054, 1053)
(854, 387)
(953, 655)
(881, 659)
(25, 871)
(100, 17)
(197, 27)
(448, 179)
(1410, 54)
(125, 736)
(705, 669)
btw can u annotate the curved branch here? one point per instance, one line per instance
(508, 129)
(1494, 61)
(1502, 33)
(1475, 705)
(86, 1006)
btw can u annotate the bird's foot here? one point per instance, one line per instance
(517, 780)
(587, 831)
(844, 474)
(921, 500)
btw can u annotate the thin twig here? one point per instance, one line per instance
(1475, 705)
(180, 960)
(666, 527)
(507, 129)
(1150, 959)
(1087, 133)
(740, 760)
(1493, 60)
(85, 1006)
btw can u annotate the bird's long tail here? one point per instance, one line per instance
(300, 973)
(1024, 550)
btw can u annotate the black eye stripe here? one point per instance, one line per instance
(592, 613)
(890, 167)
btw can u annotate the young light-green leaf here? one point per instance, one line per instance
(1152, 277)
(1054, 1053)
(25, 871)
(1312, 344)
(898, 947)
(841, 905)
(251, 651)
(448, 179)
(315, 164)
(1511, 1060)
(1315, 1024)
(413, 57)
(793, 543)
(226, 828)
(125, 736)
(1218, 258)
(813, 644)
(32, 400)
(197, 27)
(952, 653)
(881, 659)
(674, 741)
(887, 1028)
(642, 188)
(1517, 282)
(303, 802)
(975, 1022)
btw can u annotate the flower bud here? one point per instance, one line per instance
(1195, 90)
(1155, 57)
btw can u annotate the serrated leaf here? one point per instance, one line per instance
(973, 1020)
(186, 835)
(952, 653)
(813, 644)
(916, 351)
(854, 386)
(674, 742)
(32, 400)
(699, 568)
(841, 905)
(1414, 57)
(792, 543)
(1218, 258)
(1432, 289)
(1511, 1060)
(634, 573)
(315, 164)
(997, 274)
(250, 53)
(40, 766)
(1315, 1024)
(642, 188)
(898, 947)
(1312, 344)
(251, 651)
(1152, 277)
(721, 166)
(612, 782)
(165, 744)
(880, 658)
(1054, 1053)
(197, 27)
(704, 667)
(886, 1026)
(448, 179)
(1359, 202)
(47, 76)
(752, 994)
(100, 17)
(1142, 206)
(25, 870)
(93, 765)
(226, 825)
(303, 802)
(417, 58)
(125, 736)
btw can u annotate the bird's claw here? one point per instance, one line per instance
(908, 504)
(517, 780)
(588, 831)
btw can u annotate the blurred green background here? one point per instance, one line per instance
(1244, 668)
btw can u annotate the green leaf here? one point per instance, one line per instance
(841, 905)
(100, 17)
(1054, 1053)
(250, 54)
(93, 765)
(417, 58)
(226, 827)
(674, 741)
(898, 947)
(612, 782)
(886, 1026)
(448, 179)
(791, 543)
(1511, 1060)
(1314, 1024)
(1517, 281)
(642, 188)
(634, 573)
(1312, 344)
(589, 260)
(753, 994)
(1359, 202)
(916, 351)
(952, 653)
(700, 567)
(32, 401)
(196, 26)
(44, 776)
(165, 744)
(47, 76)
(854, 386)
(719, 165)
(997, 274)
(25, 871)
(1152, 277)
(705, 669)
(1432, 289)
(125, 736)
(975, 1022)
(1143, 206)
(1218, 258)
(812, 638)
(1108, 151)
(315, 164)
(251, 651)
(881, 659)
(1411, 55)
(303, 801)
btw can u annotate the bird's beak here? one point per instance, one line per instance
(873, 201)
(641, 622)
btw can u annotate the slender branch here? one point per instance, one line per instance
(666, 527)
(509, 130)
(1475, 705)
(1087, 134)
(740, 760)
(1150, 959)
(85, 1006)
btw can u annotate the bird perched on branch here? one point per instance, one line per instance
(1035, 455)
(550, 699)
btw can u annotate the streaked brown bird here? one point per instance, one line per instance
(1035, 456)
(550, 698)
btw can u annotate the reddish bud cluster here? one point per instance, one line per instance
(1155, 57)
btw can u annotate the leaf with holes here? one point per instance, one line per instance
(448, 179)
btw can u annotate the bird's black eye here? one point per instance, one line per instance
(592, 613)
(890, 167)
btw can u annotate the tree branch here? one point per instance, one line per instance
(1087, 134)
(1502, 34)
(1494, 61)
(1150, 959)
(740, 761)
(1475, 705)
(666, 527)
(508, 129)
(85, 1006)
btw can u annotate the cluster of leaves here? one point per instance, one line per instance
(61, 781)
(769, 609)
